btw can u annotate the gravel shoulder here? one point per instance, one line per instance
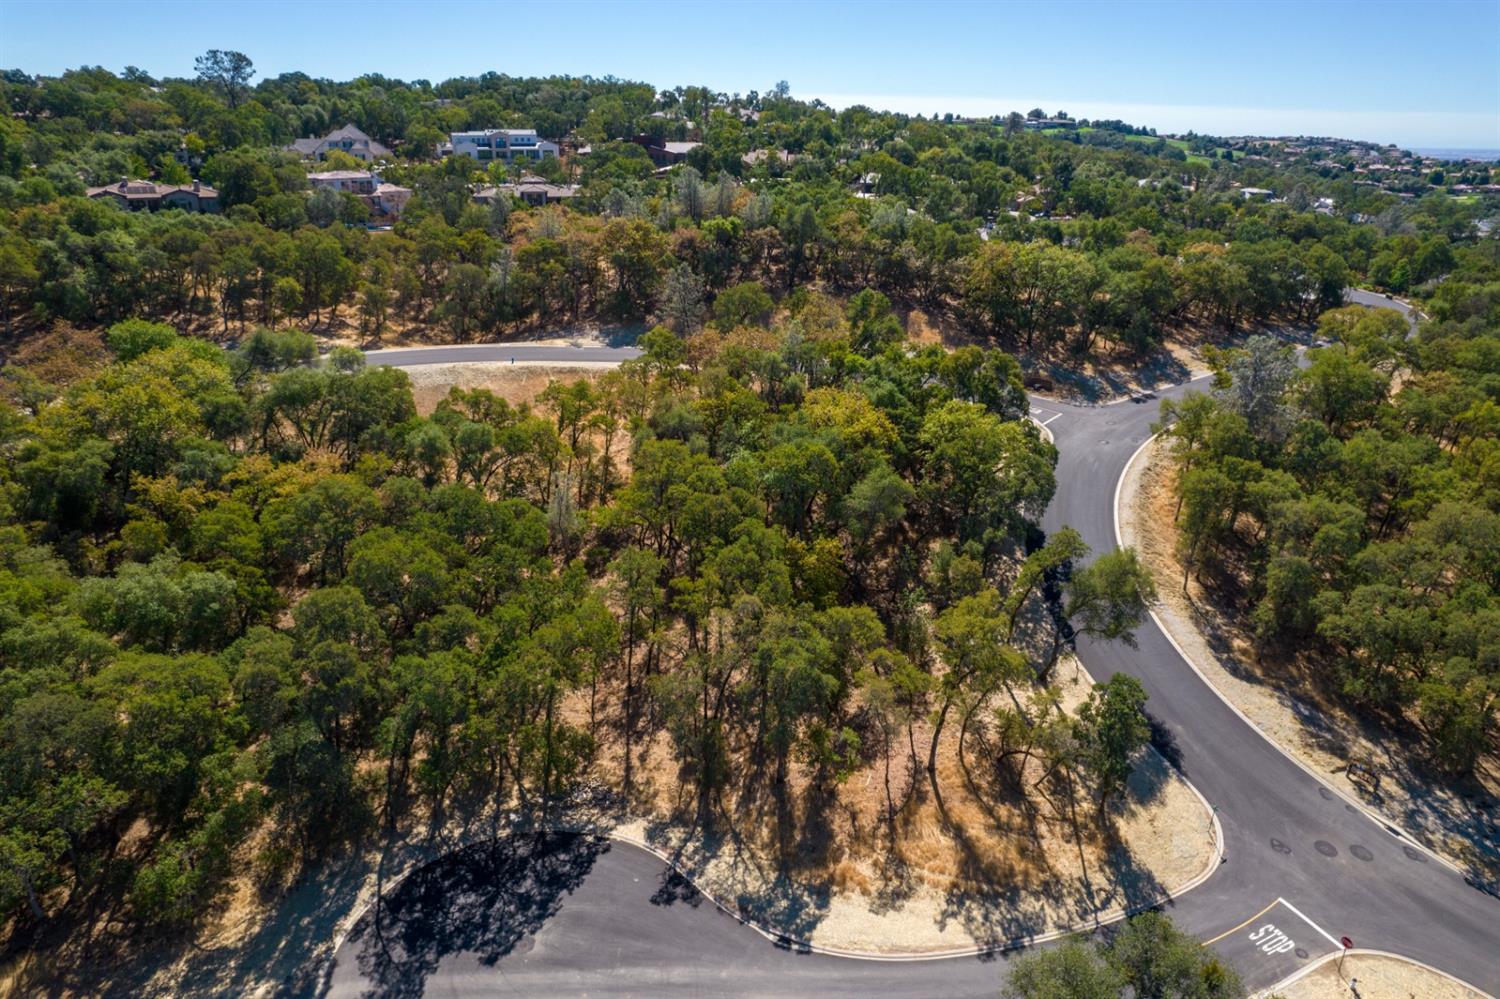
(1317, 733)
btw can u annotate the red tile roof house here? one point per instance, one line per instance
(145, 195)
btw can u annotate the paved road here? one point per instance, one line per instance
(605, 919)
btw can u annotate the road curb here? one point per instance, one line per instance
(1389, 825)
(1043, 429)
(1100, 919)
(1303, 972)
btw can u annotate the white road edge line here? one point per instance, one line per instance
(1369, 813)
(1308, 969)
(1303, 916)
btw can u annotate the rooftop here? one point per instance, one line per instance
(126, 188)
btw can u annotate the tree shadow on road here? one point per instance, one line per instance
(486, 900)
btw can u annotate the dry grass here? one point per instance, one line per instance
(58, 355)
(987, 863)
(1294, 698)
(1378, 977)
(515, 383)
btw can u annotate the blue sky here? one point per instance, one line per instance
(1415, 73)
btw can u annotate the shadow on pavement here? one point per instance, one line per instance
(484, 900)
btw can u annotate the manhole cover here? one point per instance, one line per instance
(1362, 853)
(1326, 848)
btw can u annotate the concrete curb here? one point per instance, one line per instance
(1103, 918)
(1370, 813)
(1302, 973)
(1043, 429)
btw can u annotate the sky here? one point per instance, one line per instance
(1420, 73)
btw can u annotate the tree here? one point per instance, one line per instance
(1146, 957)
(682, 300)
(1073, 970)
(894, 689)
(873, 325)
(984, 471)
(226, 71)
(687, 188)
(1159, 961)
(18, 273)
(1340, 390)
(1112, 728)
(1257, 379)
(1110, 596)
(134, 337)
(744, 304)
(323, 207)
(972, 635)
(637, 573)
(636, 251)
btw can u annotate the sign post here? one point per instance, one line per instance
(1346, 943)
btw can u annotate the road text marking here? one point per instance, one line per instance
(1269, 940)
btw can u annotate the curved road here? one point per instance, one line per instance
(606, 919)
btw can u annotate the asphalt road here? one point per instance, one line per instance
(572, 916)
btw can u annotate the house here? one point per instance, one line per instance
(348, 139)
(345, 181)
(1041, 124)
(1249, 193)
(665, 153)
(530, 189)
(148, 196)
(503, 144)
(865, 186)
(758, 156)
(385, 201)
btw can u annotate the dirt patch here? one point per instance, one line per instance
(59, 355)
(1289, 705)
(515, 383)
(1376, 976)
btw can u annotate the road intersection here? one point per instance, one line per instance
(1302, 865)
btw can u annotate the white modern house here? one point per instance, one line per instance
(503, 144)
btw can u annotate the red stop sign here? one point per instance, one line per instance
(1346, 942)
